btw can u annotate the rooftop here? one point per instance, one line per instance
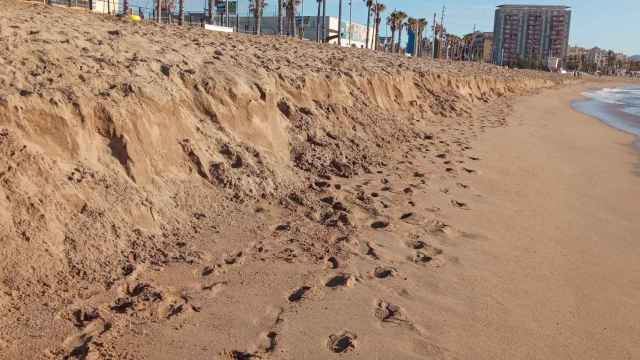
(556, 7)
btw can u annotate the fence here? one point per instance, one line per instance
(100, 6)
(193, 18)
(70, 3)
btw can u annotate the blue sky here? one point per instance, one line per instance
(613, 24)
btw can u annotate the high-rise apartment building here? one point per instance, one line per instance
(530, 34)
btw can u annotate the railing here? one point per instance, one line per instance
(70, 3)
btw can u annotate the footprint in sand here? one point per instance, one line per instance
(283, 227)
(342, 343)
(268, 342)
(416, 244)
(340, 280)
(463, 186)
(437, 227)
(421, 258)
(77, 345)
(238, 355)
(332, 263)
(383, 272)
(298, 294)
(213, 288)
(208, 270)
(380, 224)
(406, 215)
(390, 313)
(234, 258)
(426, 254)
(174, 304)
(81, 317)
(459, 204)
(371, 251)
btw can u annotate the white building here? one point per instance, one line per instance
(98, 6)
(353, 35)
(107, 6)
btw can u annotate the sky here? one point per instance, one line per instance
(612, 24)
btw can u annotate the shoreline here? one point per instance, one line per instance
(609, 114)
(550, 277)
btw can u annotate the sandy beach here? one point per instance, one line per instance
(554, 272)
(173, 193)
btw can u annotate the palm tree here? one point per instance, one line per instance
(258, 8)
(402, 16)
(324, 16)
(378, 8)
(180, 12)
(339, 22)
(226, 12)
(318, 21)
(401, 26)
(392, 21)
(210, 11)
(280, 6)
(291, 7)
(369, 4)
(421, 25)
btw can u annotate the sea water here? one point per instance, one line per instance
(617, 107)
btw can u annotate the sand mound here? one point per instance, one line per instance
(115, 138)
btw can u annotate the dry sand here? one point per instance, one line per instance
(172, 193)
(553, 270)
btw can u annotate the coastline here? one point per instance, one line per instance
(553, 273)
(609, 114)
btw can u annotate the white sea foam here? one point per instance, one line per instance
(632, 110)
(629, 98)
(609, 104)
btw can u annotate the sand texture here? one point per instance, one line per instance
(173, 193)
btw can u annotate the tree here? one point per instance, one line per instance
(291, 7)
(378, 8)
(369, 4)
(280, 6)
(392, 21)
(318, 21)
(339, 22)
(421, 24)
(180, 12)
(324, 17)
(402, 16)
(125, 7)
(210, 11)
(401, 26)
(257, 9)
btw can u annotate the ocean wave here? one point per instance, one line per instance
(617, 96)
(633, 110)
